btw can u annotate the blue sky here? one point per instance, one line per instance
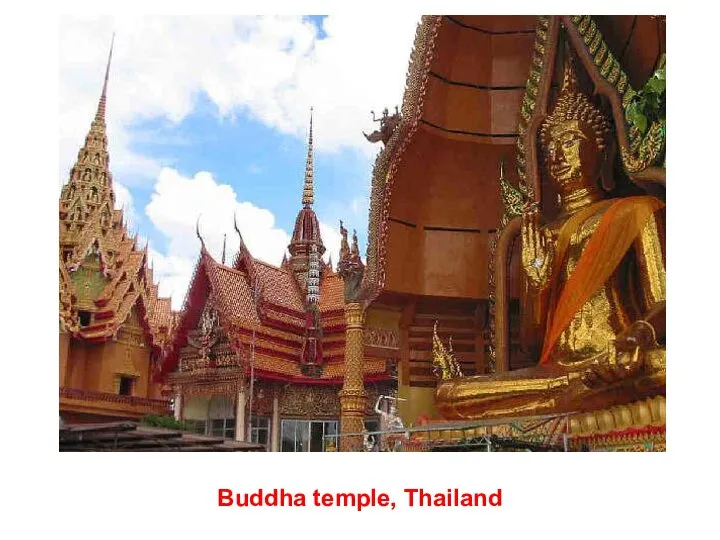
(262, 165)
(209, 115)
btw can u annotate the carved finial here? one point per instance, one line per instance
(223, 251)
(344, 246)
(355, 250)
(100, 115)
(237, 230)
(197, 231)
(350, 267)
(308, 196)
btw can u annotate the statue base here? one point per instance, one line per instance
(543, 390)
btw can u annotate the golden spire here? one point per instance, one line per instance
(100, 115)
(308, 198)
(88, 194)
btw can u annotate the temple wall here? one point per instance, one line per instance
(382, 318)
(445, 207)
(94, 356)
(125, 359)
(97, 367)
(154, 390)
(76, 365)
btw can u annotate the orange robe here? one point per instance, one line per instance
(621, 223)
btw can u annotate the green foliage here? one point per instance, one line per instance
(648, 105)
(167, 422)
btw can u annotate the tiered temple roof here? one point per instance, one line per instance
(103, 271)
(299, 324)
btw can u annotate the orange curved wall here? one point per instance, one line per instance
(445, 207)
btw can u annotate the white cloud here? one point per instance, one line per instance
(272, 68)
(331, 239)
(124, 201)
(174, 208)
(173, 274)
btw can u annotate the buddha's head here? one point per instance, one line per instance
(574, 138)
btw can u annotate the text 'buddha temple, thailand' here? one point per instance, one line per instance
(513, 292)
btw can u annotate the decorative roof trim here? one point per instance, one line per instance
(387, 161)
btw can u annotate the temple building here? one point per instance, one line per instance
(113, 324)
(513, 290)
(470, 200)
(258, 352)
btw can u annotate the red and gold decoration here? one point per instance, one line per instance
(113, 323)
(549, 276)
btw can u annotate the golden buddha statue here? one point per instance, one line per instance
(593, 301)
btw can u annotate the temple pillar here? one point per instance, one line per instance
(240, 416)
(177, 406)
(353, 398)
(275, 427)
(64, 353)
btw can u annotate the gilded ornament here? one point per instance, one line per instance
(445, 365)
(578, 313)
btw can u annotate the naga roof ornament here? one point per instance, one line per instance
(197, 232)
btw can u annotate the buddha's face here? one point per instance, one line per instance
(573, 157)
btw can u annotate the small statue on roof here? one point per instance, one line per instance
(388, 123)
(344, 246)
(355, 250)
(350, 267)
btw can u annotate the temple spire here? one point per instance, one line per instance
(100, 115)
(308, 196)
(223, 251)
(313, 282)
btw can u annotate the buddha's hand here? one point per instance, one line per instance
(538, 248)
(625, 357)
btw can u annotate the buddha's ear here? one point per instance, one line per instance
(607, 178)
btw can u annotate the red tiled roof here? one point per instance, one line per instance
(232, 288)
(278, 286)
(332, 295)
(307, 229)
(162, 313)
